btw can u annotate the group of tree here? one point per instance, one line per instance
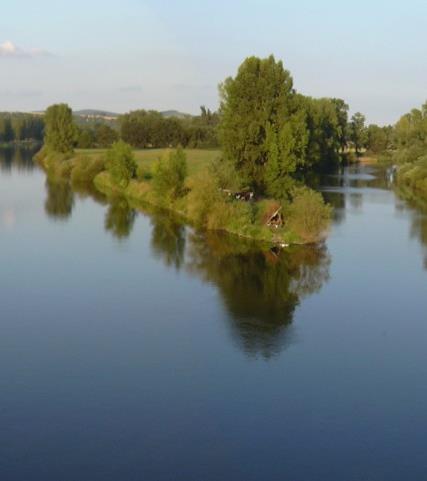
(410, 136)
(151, 129)
(19, 127)
(270, 132)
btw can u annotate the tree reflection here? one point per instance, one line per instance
(418, 208)
(168, 239)
(18, 158)
(259, 288)
(60, 199)
(119, 218)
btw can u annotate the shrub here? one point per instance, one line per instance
(121, 163)
(203, 195)
(86, 168)
(169, 175)
(308, 215)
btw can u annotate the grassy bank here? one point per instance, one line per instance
(200, 201)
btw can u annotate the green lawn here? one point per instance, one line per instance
(196, 158)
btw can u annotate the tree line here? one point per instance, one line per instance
(150, 129)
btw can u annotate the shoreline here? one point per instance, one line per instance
(76, 168)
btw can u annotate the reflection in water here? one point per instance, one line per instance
(19, 158)
(60, 199)
(168, 239)
(417, 207)
(119, 218)
(260, 289)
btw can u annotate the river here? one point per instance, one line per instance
(133, 348)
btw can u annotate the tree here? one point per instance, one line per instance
(325, 123)
(60, 131)
(378, 138)
(169, 175)
(257, 112)
(104, 135)
(358, 131)
(342, 116)
(121, 163)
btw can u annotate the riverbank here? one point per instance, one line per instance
(413, 177)
(305, 220)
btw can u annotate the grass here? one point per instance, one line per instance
(197, 159)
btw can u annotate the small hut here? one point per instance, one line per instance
(275, 220)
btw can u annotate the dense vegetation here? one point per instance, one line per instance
(405, 146)
(151, 129)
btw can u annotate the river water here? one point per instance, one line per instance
(132, 348)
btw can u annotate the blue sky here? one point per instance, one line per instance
(128, 54)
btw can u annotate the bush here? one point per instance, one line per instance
(86, 168)
(121, 163)
(308, 215)
(203, 195)
(169, 175)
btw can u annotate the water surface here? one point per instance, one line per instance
(132, 348)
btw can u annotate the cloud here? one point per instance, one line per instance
(9, 50)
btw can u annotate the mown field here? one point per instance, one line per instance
(197, 159)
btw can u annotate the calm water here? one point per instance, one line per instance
(134, 349)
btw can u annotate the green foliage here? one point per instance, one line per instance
(60, 131)
(225, 174)
(86, 168)
(285, 151)
(169, 175)
(99, 136)
(203, 197)
(327, 127)
(410, 136)
(151, 129)
(258, 101)
(357, 131)
(121, 163)
(378, 139)
(414, 175)
(308, 215)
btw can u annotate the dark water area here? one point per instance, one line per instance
(134, 348)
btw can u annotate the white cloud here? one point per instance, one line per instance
(10, 50)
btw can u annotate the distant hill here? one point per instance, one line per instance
(95, 113)
(175, 113)
(105, 114)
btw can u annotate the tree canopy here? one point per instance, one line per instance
(60, 131)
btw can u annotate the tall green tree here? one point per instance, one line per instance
(357, 131)
(121, 163)
(326, 121)
(60, 131)
(259, 125)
